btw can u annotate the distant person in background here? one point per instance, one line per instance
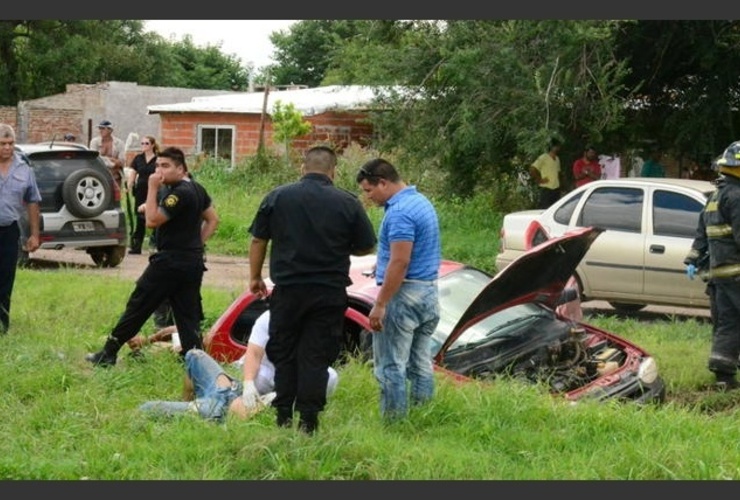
(18, 192)
(69, 138)
(586, 168)
(652, 167)
(546, 174)
(112, 150)
(142, 166)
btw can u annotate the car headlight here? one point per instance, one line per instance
(648, 371)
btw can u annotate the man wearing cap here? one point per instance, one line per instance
(112, 149)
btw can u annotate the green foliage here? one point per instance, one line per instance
(469, 226)
(305, 52)
(40, 57)
(287, 124)
(685, 73)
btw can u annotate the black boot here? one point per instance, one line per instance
(107, 356)
(308, 423)
(285, 417)
(135, 246)
(726, 382)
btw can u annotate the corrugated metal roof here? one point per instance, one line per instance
(309, 102)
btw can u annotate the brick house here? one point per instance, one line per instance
(230, 126)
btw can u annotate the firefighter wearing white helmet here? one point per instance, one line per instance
(718, 235)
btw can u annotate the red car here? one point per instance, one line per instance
(509, 325)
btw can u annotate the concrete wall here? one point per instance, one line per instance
(8, 115)
(82, 106)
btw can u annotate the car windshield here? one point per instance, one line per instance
(505, 324)
(456, 292)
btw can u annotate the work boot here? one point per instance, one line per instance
(308, 423)
(726, 382)
(284, 417)
(107, 355)
(135, 246)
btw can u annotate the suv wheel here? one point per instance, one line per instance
(107, 256)
(86, 193)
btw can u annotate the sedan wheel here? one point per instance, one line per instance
(625, 307)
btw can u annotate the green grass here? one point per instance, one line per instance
(63, 419)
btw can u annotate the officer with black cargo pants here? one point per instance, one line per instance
(185, 219)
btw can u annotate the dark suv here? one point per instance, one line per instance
(80, 202)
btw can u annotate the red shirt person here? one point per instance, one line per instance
(587, 167)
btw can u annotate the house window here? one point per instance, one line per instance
(217, 142)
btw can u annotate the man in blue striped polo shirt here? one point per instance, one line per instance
(406, 310)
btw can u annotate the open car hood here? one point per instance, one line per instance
(539, 275)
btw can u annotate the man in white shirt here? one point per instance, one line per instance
(111, 148)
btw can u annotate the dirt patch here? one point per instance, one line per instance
(230, 273)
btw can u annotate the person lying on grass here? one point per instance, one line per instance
(213, 393)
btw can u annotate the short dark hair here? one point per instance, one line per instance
(377, 169)
(554, 142)
(174, 154)
(320, 159)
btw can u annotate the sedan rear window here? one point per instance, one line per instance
(675, 214)
(615, 208)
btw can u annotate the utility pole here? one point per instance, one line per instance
(261, 143)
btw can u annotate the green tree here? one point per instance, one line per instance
(305, 52)
(686, 77)
(483, 97)
(40, 57)
(287, 124)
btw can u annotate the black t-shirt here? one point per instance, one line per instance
(143, 169)
(184, 204)
(314, 228)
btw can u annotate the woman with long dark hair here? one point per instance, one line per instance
(142, 166)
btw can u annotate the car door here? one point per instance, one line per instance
(672, 223)
(614, 266)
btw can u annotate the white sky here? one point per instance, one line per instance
(248, 39)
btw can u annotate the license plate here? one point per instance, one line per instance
(81, 227)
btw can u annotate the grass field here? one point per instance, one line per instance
(63, 419)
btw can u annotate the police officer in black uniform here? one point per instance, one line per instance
(718, 235)
(314, 227)
(184, 218)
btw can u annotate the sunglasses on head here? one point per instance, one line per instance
(365, 173)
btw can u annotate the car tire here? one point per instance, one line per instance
(86, 193)
(107, 256)
(627, 308)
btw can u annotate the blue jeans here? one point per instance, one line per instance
(211, 401)
(402, 350)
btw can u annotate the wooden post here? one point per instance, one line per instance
(261, 144)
